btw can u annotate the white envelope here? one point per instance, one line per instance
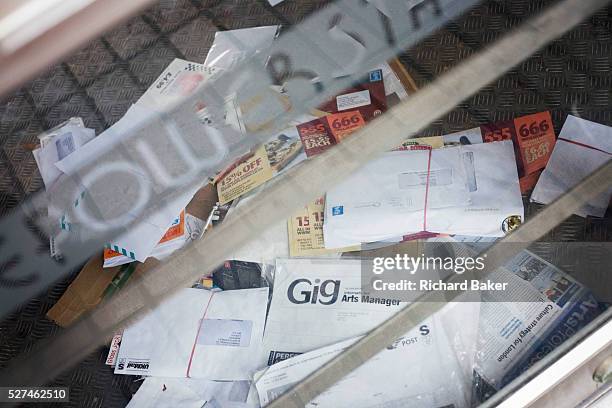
(424, 368)
(159, 392)
(140, 240)
(66, 141)
(179, 80)
(463, 137)
(317, 302)
(471, 190)
(106, 141)
(233, 46)
(582, 147)
(162, 250)
(198, 334)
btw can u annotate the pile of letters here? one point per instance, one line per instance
(292, 299)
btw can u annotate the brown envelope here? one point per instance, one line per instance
(84, 293)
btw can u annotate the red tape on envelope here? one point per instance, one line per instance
(426, 187)
(424, 233)
(195, 341)
(583, 145)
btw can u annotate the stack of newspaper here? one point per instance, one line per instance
(232, 341)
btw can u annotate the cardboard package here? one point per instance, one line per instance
(84, 293)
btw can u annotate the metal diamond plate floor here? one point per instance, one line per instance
(100, 82)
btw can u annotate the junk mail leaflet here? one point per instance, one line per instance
(368, 97)
(111, 358)
(320, 134)
(198, 334)
(246, 176)
(306, 232)
(533, 137)
(317, 302)
(254, 170)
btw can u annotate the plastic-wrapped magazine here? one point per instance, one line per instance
(545, 307)
(423, 368)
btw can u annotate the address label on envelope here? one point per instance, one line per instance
(225, 332)
(353, 100)
(64, 145)
(433, 178)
